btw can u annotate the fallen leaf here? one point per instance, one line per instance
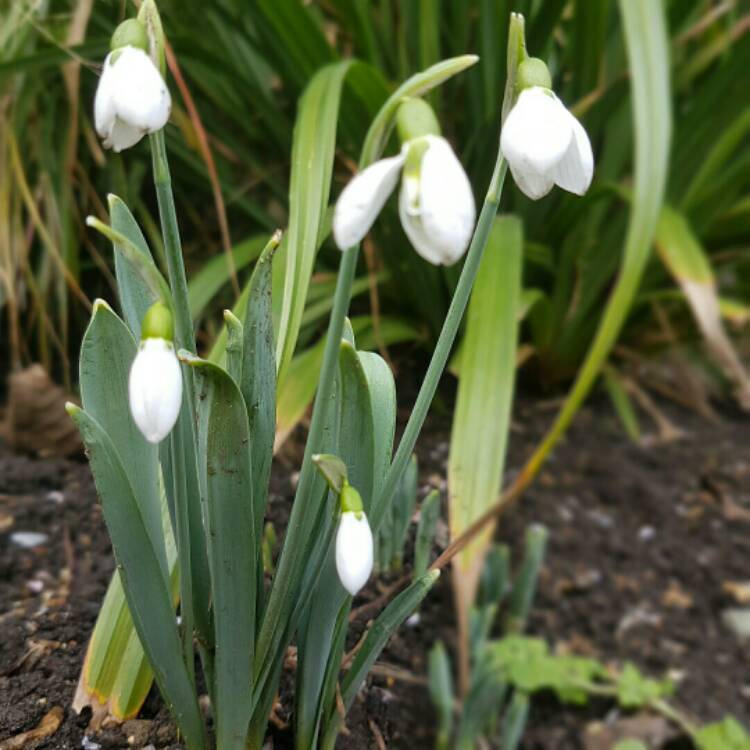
(46, 728)
(738, 590)
(676, 597)
(652, 731)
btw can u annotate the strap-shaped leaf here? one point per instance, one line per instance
(485, 394)
(258, 379)
(109, 348)
(312, 161)
(135, 296)
(356, 449)
(224, 441)
(147, 594)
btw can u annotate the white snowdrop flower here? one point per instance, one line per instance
(543, 143)
(155, 384)
(132, 98)
(436, 203)
(354, 544)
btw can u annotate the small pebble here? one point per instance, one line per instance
(55, 496)
(35, 585)
(88, 744)
(413, 620)
(646, 533)
(28, 539)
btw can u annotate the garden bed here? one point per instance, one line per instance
(648, 549)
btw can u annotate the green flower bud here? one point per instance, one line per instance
(157, 323)
(130, 33)
(533, 72)
(350, 499)
(414, 119)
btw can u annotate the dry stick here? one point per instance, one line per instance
(208, 158)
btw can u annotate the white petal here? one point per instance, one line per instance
(353, 551)
(122, 136)
(104, 105)
(575, 170)
(155, 389)
(533, 184)
(140, 95)
(447, 210)
(362, 200)
(535, 137)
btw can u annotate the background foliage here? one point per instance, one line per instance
(238, 72)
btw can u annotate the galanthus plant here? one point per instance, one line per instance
(181, 446)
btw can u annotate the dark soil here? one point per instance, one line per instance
(648, 546)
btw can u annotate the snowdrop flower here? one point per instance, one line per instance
(155, 385)
(132, 98)
(543, 143)
(354, 546)
(436, 204)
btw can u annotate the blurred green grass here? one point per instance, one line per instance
(246, 65)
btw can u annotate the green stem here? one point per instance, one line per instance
(184, 339)
(445, 340)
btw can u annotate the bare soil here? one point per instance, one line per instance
(649, 546)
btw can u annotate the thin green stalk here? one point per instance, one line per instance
(446, 338)
(185, 339)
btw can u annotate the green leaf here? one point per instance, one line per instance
(235, 334)
(514, 722)
(485, 395)
(108, 347)
(524, 586)
(224, 441)
(330, 602)
(258, 380)
(310, 184)
(429, 513)
(441, 691)
(727, 734)
(630, 745)
(135, 295)
(634, 690)
(147, 594)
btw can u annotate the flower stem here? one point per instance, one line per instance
(184, 339)
(445, 340)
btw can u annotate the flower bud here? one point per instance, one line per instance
(354, 544)
(155, 384)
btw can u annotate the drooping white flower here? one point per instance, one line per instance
(131, 100)
(155, 388)
(436, 203)
(545, 145)
(354, 550)
(155, 384)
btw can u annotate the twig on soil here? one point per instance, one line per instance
(379, 601)
(378, 735)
